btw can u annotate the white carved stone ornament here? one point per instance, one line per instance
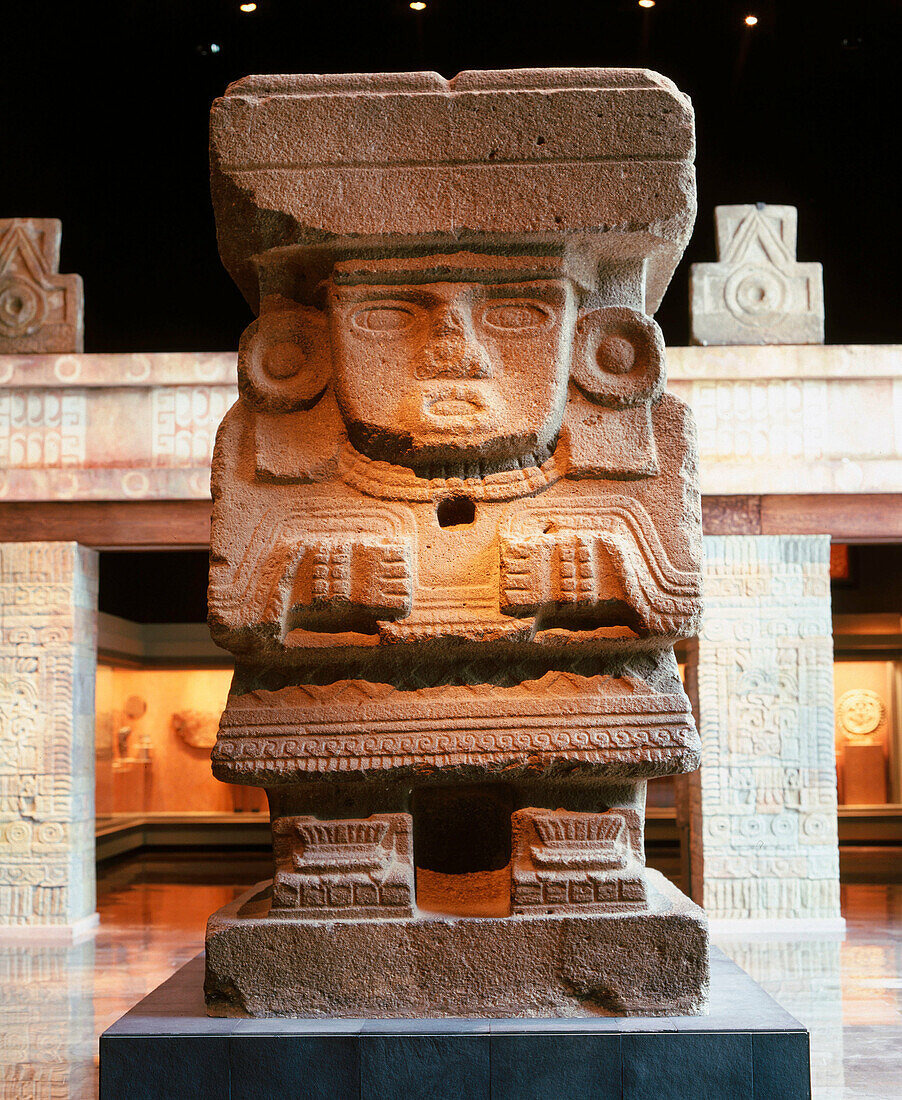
(859, 714)
(757, 293)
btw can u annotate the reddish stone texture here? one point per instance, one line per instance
(456, 526)
(41, 311)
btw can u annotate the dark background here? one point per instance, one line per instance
(105, 108)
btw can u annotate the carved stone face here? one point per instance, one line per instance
(451, 371)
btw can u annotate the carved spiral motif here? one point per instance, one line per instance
(753, 294)
(23, 306)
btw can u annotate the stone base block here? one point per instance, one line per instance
(746, 1048)
(648, 963)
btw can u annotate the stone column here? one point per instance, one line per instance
(48, 658)
(763, 810)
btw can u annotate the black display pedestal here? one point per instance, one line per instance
(747, 1048)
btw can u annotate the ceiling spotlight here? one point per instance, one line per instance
(247, 7)
(751, 20)
(646, 3)
(418, 5)
(214, 47)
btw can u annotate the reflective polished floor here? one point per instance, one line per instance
(55, 1001)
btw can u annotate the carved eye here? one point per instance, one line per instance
(383, 319)
(512, 316)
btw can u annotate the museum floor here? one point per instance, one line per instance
(55, 1001)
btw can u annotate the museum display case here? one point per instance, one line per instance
(155, 728)
(868, 762)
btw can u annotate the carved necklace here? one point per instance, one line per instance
(389, 482)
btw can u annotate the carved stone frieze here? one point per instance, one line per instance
(617, 726)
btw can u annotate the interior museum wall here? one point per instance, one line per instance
(162, 763)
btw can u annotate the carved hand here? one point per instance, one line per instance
(326, 583)
(578, 569)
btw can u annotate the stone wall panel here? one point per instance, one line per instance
(48, 655)
(764, 805)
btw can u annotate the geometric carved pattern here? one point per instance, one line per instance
(757, 293)
(764, 804)
(61, 420)
(48, 599)
(590, 862)
(346, 868)
(40, 310)
(355, 725)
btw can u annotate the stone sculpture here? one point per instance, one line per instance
(757, 292)
(456, 533)
(197, 729)
(41, 311)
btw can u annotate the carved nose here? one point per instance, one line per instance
(453, 351)
(449, 323)
(455, 357)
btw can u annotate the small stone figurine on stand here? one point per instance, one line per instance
(456, 533)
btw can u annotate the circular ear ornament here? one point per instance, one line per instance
(284, 360)
(618, 357)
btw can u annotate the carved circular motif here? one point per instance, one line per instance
(753, 294)
(135, 707)
(135, 484)
(22, 306)
(284, 359)
(18, 832)
(860, 712)
(618, 357)
(50, 832)
(67, 368)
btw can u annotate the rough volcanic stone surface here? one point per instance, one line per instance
(650, 963)
(757, 292)
(456, 533)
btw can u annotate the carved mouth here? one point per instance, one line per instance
(453, 403)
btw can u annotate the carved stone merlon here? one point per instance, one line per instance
(757, 292)
(41, 311)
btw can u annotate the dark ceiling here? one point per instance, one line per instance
(105, 109)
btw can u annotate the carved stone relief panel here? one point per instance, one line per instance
(48, 600)
(764, 820)
(350, 868)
